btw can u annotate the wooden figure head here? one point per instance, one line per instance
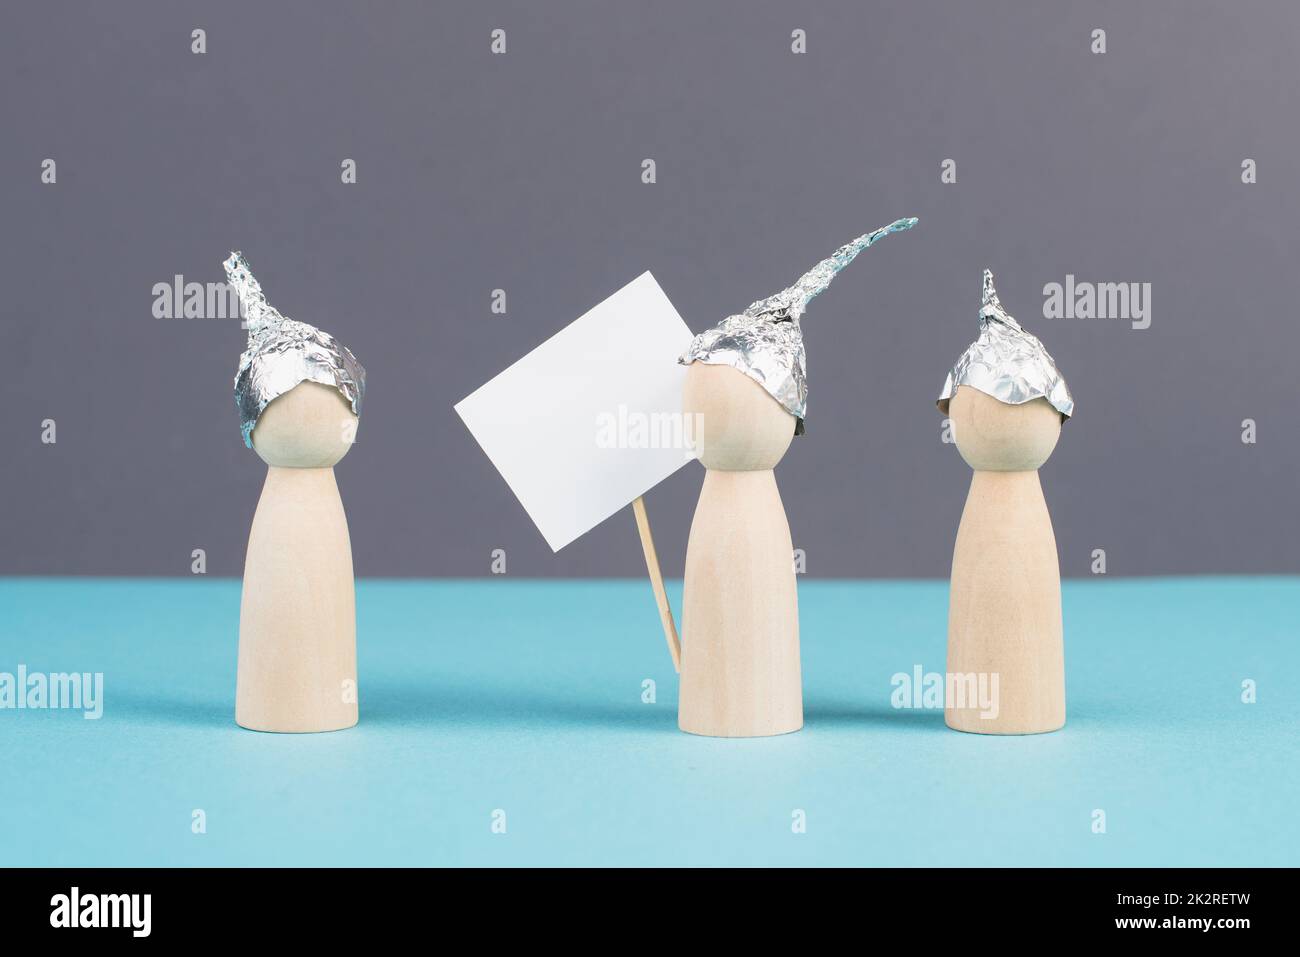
(993, 436)
(311, 426)
(738, 427)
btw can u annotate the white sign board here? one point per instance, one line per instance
(592, 418)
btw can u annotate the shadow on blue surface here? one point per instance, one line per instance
(433, 707)
(535, 698)
(414, 706)
(173, 710)
(865, 714)
(437, 706)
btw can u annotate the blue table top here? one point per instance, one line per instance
(526, 697)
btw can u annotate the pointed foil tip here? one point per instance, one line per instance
(765, 342)
(283, 353)
(792, 302)
(991, 306)
(1006, 362)
(257, 312)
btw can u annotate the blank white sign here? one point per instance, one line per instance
(585, 423)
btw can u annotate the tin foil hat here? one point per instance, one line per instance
(765, 342)
(282, 353)
(1006, 362)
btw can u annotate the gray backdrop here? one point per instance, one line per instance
(522, 171)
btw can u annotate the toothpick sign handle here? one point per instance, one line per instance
(657, 582)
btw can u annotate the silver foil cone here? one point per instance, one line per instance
(765, 342)
(283, 352)
(1006, 362)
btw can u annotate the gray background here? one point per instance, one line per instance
(522, 172)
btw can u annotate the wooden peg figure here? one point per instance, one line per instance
(740, 616)
(299, 394)
(746, 390)
(297, 618)
(1006, 401)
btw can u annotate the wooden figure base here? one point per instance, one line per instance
(740, 659)
(1004, 614)
(297, 619)
(740, 617)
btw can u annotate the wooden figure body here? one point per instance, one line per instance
(1004, 615)
(297, 618)
(740, 619)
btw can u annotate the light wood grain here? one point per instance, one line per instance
(1004, 615)
(740, 618)
(297, 622)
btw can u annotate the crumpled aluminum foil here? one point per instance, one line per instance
(283, 352)
(1006, 362)
(765, 342)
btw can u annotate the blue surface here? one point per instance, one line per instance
(526, 696)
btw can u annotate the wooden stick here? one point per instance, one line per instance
(657, 582)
